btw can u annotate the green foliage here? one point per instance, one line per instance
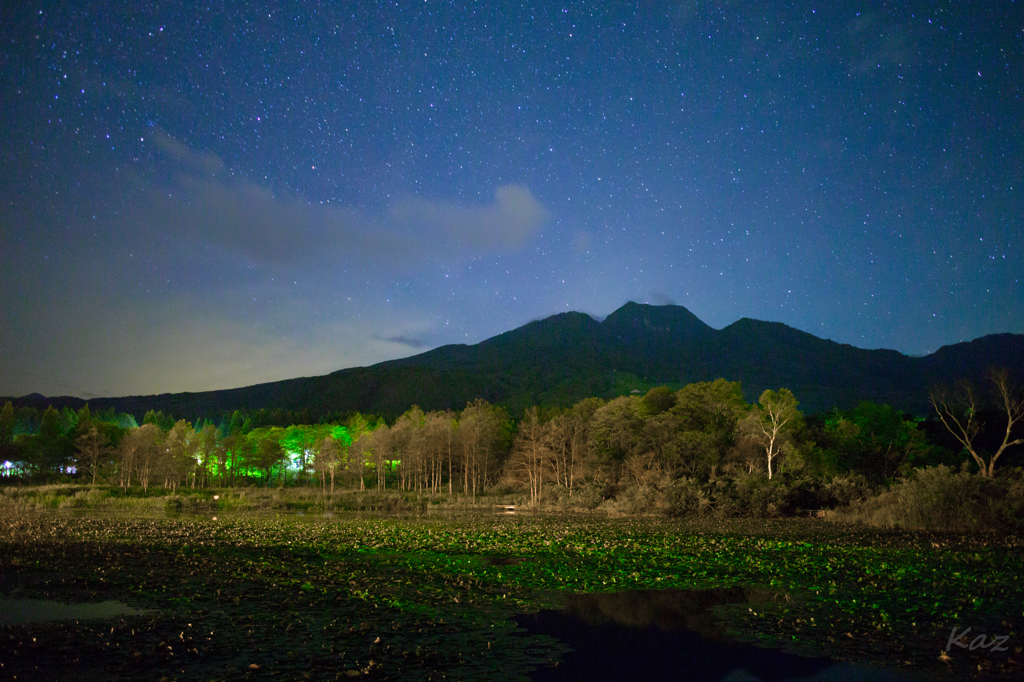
(657, 400)
(875, 440)
(7, 449)
(50, 425)
(158, 418)
(615, 428)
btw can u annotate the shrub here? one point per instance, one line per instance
(843, 491)
(936, 498)
(686, 497)
(587, 496)
(635, 500)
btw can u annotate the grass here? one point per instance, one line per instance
(415, 598)
(156, 500)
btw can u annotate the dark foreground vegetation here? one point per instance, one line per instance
(436, 597)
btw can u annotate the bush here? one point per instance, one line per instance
(767, 499)
(842, 491)
(686, 497)
(587, 496)
(636, 500)
(936, 498)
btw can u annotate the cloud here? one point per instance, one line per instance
(661, 298)
(404, 341)
(513, 218)
(205, 162)
(253, 221)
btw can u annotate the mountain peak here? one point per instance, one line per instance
(642, 318)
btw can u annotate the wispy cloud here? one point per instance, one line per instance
(252, 220)
(661, 298)
(401, 340)
(203, 162)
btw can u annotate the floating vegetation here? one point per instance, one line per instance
(311, 597)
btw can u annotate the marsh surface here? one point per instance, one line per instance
(419, 598)
(668, 635)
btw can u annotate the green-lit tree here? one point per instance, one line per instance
(330, 455)
(871, 439)
(360, 432)
(268, 451)
(55, 448)
(206, 442)
(7, 449)
(158, 418)
(708, 412)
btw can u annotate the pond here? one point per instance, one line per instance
(19, 611)
(654, 635)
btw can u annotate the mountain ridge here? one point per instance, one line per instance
(563, 358)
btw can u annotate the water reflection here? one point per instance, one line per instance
(18, 611)
(656, 635)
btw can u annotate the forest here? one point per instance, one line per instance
(701, 450)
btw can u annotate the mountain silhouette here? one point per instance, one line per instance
(564, 358)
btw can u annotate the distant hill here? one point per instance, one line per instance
(570, 356)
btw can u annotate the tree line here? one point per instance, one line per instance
(701, 432)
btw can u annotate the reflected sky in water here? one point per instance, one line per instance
(19, 611)
(649, 636)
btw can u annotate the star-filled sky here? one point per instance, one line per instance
(202, 197)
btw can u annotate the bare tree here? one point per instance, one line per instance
(329, 456)
(178, 454)
(958, 408)
(90, 449)
(140, 453)
(482, 432)
(776, 411)
(532, 457)
(357, 458)
(439, 428)
(645, 468)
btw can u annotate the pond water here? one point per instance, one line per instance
(651, 636)
(17, 611)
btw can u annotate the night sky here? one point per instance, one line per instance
(204, 198)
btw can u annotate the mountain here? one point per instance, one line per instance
(566, 357)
